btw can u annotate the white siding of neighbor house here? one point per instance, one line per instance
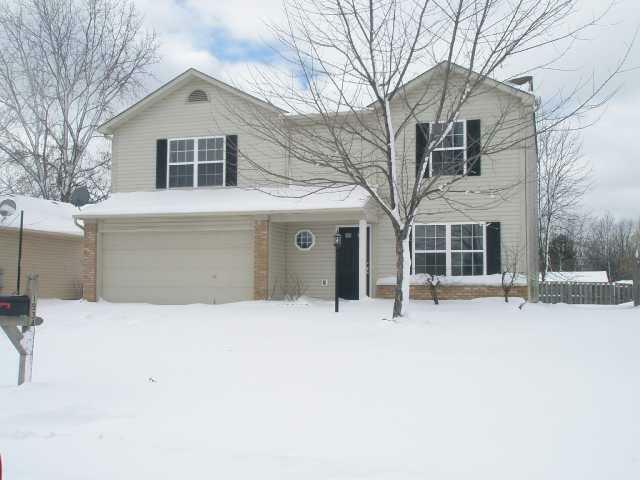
(134, 141)
(56, 259)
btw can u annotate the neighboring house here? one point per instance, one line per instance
(51, 248)
(599, 276)
(185, 225)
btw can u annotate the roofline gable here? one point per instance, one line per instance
(108, 127)
(500, 85)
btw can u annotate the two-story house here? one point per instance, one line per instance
(185, 224)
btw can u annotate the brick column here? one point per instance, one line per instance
(261, 260)
(89, 261)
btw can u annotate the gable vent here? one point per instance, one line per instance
(198, 96)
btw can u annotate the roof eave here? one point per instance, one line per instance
(105, 216)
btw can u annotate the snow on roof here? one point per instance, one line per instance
(582, 277)
(227, 200)
(41, 215)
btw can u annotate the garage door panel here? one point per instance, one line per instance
(170, 241)
(177, 268)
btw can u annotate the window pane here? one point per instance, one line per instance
(212, 150)
(478, 264)
(173, 146)
(210, 174)
(447, 162)
(432, 263)
(189, 145)
(304, 239)
(173, 157)
(421, 243)
(180, 175)
(430, 237)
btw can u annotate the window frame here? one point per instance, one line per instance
(196, 162)
(449, 251)
(443, 149)
(446, 250)
(313, 239)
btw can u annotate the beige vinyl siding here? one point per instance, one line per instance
(277, 260)
(56, 259)
(134, 142)
(505, 171)
(315, 265)
(176, 260)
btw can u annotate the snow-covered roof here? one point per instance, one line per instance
(583, 277)
(227, 200)
(41, 215)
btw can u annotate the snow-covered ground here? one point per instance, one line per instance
(258, 390)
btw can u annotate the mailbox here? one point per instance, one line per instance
(14, 305)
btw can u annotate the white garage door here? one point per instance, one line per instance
(177, 267)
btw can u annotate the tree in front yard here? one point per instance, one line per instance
(354, 113)
(64, 66)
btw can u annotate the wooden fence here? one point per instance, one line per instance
(585, 293)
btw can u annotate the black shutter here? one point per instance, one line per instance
(231, 179)
(161, 163)
(473, 147)
(494, 260)
(422, 140)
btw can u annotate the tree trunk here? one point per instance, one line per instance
(403, 271)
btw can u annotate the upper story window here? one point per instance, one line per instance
(196, 162)
(450, 249)
(198, 96)
(449, 156)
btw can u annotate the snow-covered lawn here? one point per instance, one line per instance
(258, 390)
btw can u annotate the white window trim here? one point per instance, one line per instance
(313, 240)
(442, 149)
(448, 245)
(446, 251)
(195, 160)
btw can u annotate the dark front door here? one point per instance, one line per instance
(348, 264)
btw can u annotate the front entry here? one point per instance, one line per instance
(348, 264)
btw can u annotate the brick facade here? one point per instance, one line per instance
(261, 260)
(453, 292)
(89, 261)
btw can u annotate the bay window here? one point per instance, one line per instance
(450, 249)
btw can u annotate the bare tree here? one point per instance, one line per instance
(510, 272)
(64, 65)
(610, 245)
(353, 111)
(433, 283)
(563, 180)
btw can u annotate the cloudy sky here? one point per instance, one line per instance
(225, 38)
